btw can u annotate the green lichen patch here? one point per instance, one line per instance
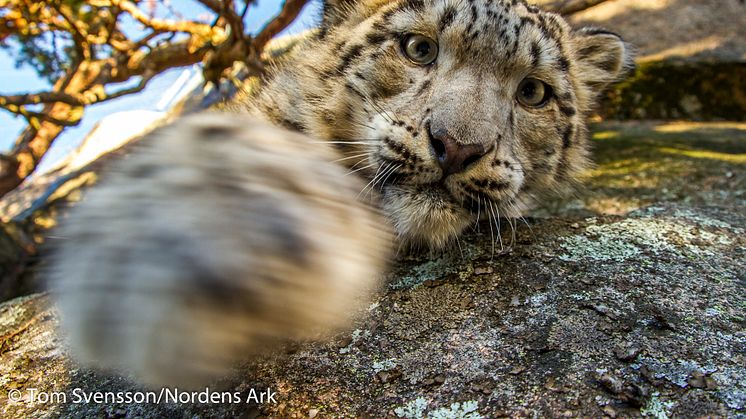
(651, 237)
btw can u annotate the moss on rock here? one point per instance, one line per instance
(680, 90)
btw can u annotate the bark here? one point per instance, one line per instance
(84, 84)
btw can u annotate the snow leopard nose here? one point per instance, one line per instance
(453, 156)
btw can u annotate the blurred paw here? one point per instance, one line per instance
(217, 235)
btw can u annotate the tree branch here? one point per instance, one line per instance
(41, 97)
(290, 10)
(79, 35)
(195, 28)
(135, 89)
(33, 118)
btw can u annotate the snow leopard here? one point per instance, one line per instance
(397, 123)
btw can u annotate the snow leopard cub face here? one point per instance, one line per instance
(455, 109)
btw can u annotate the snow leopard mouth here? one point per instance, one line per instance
(433, 193)
(425, 214)
(439, 193)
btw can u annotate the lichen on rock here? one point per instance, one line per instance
(552, 328)
(583, 314)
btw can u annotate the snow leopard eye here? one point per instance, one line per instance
(533, 93)
(420, 49)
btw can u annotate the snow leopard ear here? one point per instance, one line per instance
(602, 56)
(337, 12)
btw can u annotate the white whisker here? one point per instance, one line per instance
(383, 182)
(496, 220)
(380, 178)
(479, 210)
(492, 232)
(356, 156)
(499, 228)
(359, 169)
(372, 180)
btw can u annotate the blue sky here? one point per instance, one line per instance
(24, 79)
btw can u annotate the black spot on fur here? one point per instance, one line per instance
(535, 54)
(608, 65)
(376, 38)
(567, 110)
(354, 52)
(447, 19)
(425, 85)
(566, 96)
(385, 17)
(491, 184)
(354, 90)
(401, 150)
(517, 31)
(321, 34)
(588, 51)
(415, 5)
(293, 125)
(215, 132)
(567, 137)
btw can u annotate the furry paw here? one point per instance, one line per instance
(216, 236)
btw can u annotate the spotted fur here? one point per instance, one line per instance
(221, 233)
(352, 84)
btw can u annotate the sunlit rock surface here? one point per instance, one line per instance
(628, 301)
